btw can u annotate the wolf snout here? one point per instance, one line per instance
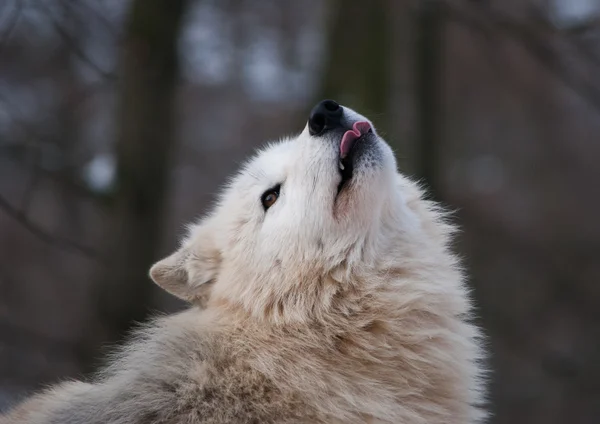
(326, 115)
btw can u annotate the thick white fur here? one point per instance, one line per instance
(319, 310)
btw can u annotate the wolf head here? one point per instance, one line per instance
(302, 218)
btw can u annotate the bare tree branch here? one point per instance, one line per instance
(90, 8)
(43, 235)
(533, 39)
(12, 20)
(74, 45)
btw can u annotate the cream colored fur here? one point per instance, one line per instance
(323, 309)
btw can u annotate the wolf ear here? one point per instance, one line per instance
(186, 272)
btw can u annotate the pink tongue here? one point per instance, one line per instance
(359, 128)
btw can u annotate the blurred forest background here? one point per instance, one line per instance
(119, 119)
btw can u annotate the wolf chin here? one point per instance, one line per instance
(322, 290)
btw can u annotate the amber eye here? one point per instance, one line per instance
(270, 196)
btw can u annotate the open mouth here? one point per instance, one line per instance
(350, 140)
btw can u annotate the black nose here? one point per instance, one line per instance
(325, 116)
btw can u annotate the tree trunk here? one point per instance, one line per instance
(356, 69)
(428, 78)
(145, 141)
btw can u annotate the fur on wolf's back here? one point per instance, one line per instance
(394, 345)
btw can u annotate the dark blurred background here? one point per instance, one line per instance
(119, 119)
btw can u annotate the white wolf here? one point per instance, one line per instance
(329, 295)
